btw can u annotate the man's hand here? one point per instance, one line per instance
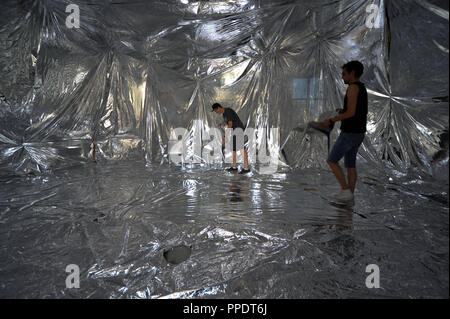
(340, 111)
(325, 123)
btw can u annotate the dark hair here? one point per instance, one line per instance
(216, 105)
(354, 66)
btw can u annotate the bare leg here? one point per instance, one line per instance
(245, 159)
(234, 159)
(352, 176)
(339, 173)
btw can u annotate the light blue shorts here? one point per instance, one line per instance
(346, 146)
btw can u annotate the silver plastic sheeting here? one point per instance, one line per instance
(118, 86)
(251, 236)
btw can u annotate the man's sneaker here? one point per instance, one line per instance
(232, 169)
(345, 195)
(244, 171)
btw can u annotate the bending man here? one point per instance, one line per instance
(233, 121)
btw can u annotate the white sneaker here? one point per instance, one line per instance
(345, 195)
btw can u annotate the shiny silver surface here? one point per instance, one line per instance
(254, 236)
(134, 71)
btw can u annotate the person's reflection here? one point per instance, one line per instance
(238, 189)
(344, 216)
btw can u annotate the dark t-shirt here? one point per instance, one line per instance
(357, 123)
(230, 115)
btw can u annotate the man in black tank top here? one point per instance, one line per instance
(353, 129)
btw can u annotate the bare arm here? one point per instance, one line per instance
(352, 99)
(230, 125)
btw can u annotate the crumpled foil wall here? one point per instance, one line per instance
(135, 70)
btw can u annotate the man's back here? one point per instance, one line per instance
(230, 115)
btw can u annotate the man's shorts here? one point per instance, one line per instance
(346, 146)
(234, 142)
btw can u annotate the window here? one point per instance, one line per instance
(307, 92)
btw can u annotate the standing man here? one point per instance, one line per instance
(232, 120)
(353, 129)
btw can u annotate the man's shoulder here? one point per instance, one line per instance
(353, 88)
(230, 110)
(357, 85)
(228, 113)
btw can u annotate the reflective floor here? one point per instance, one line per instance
(250, 236)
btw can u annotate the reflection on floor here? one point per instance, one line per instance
(250, 236)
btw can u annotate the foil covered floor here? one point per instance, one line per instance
(252, 236)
